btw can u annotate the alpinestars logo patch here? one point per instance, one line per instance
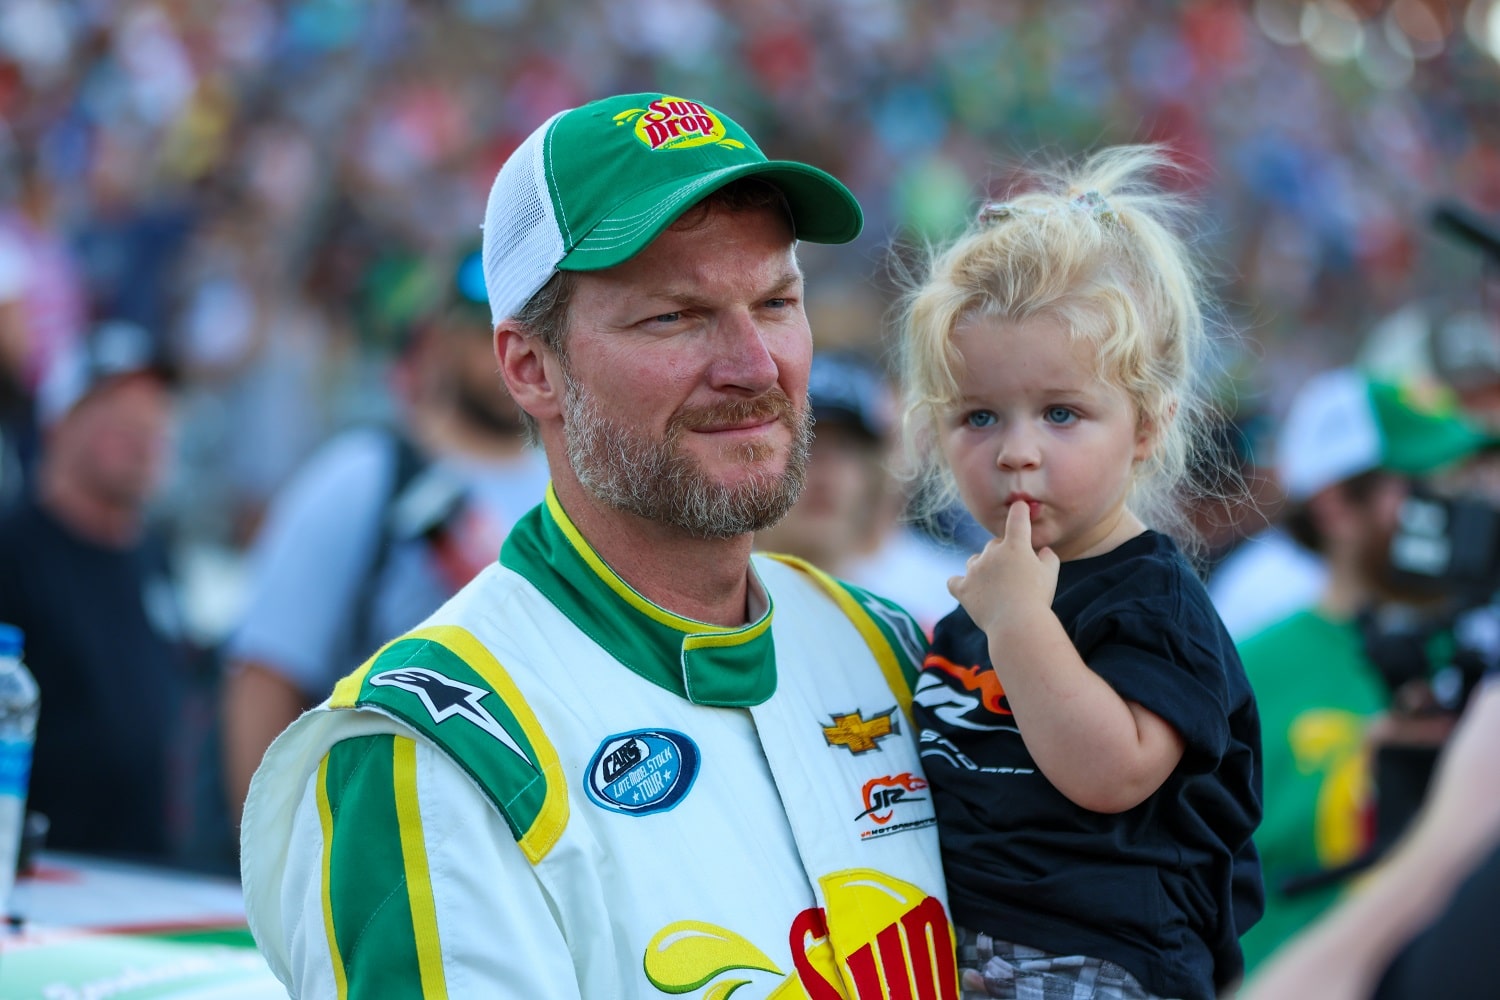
(912, 641)
(444, 698)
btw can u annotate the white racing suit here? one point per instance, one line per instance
(555, 789)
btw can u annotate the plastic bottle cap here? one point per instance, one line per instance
(11, 640)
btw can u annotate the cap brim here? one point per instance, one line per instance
(823, 211)
(1439, 451)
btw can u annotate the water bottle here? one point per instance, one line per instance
(19, 701)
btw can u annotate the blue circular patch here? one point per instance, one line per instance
(641, 772)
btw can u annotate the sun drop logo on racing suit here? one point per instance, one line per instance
(646, 771)
(897, 940)
(674, 123)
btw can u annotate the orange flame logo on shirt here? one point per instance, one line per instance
(897, 941)
(975, 678)
(675, 123)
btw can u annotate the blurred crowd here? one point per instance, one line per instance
(271, 185)
(278, 189)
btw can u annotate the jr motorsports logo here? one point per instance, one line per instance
(646, 771)
(894, 803)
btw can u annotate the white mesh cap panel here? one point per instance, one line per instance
(522, 240)
(1330, 433)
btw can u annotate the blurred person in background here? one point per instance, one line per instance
(85, 573)
(380, 527)
(1348, 452)
(1422, 925)
(1260, 574)
(1419, 925)
(848, 520)
(42, 306)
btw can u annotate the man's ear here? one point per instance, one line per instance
(529, 370)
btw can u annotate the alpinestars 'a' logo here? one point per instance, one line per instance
(858, 734)
(913, 642)
(444, 698)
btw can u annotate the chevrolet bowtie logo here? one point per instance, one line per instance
(859, 734)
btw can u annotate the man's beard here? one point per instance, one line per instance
(655, 479)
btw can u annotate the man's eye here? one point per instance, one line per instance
(667, 318)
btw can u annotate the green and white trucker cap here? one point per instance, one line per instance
(1342, 423)
(592, 186)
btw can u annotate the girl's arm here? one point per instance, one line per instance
(1104, 753)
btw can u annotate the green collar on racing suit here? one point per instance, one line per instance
(706, 664)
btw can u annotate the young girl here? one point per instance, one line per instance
(1090, 738)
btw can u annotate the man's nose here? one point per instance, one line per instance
(744, 358)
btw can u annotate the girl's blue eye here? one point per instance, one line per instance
(1058, 415)
(980, 418)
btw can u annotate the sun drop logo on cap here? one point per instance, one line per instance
(674, 123)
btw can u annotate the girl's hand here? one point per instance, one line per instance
(1007, 583)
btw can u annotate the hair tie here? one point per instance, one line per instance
(1090, 201)
(1096, 205)
(993, 211)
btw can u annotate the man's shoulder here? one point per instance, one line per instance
(441, 685)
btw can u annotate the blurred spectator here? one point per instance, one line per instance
(848, 519)
(86, 574)
(42, 295)
(380, 527)
(41, 308)
(1267, 577)
(1256, 574)
(1465, 351)
(1347, 451)
(189, 157)
(1423, 924)
(193, 162)
(1419, 925)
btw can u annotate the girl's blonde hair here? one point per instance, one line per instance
(1098, 248)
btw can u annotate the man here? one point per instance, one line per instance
(628, 760)
(848, 519)
(380, 528)
(86, 577)
(1346, 454)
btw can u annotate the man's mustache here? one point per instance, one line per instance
(772, 405)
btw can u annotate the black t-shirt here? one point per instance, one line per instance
(1163, 889)
(103, 641)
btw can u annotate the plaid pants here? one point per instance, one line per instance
(991, 968)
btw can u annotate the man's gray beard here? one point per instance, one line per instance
(654, 479)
